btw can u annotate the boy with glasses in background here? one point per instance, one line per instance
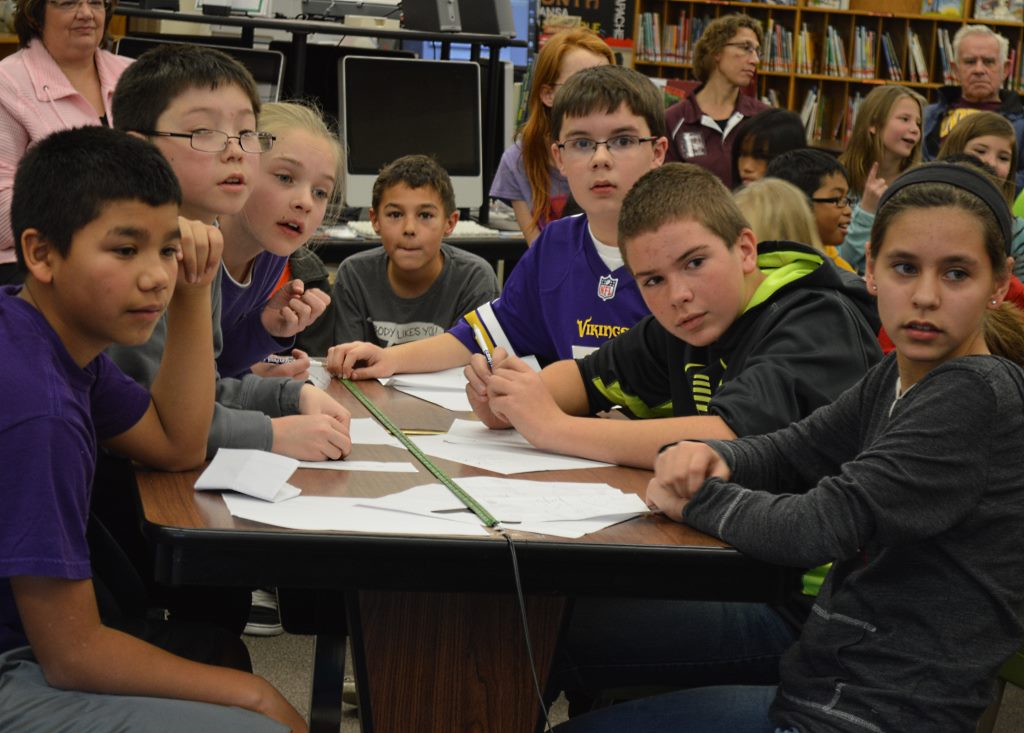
(826, 183)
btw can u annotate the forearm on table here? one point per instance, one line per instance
(628, 442)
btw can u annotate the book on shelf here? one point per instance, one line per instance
(918, 65)
(805, 52)
(833, 4)
(945, 51)
(892, 61)
(999, 10)
(807, 111)
(864, 62)
(949, 8)
(771, 98)
(835, 56)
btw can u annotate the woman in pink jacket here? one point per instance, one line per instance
(58, 79)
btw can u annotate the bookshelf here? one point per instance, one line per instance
(830, 56)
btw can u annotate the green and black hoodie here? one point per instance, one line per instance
(807, 334)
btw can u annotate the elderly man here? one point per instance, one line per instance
(981, 65)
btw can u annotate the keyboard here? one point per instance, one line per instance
(464, 229)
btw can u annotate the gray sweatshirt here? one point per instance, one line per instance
(241, 417)
(919, 502)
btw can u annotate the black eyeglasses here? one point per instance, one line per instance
(216, 141)
(841, 202)
(584, 147)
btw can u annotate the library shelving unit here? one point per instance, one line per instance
(820, 60)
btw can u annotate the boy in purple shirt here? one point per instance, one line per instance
(570, 292)
(102, 253)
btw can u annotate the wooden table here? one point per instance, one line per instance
(434, 621)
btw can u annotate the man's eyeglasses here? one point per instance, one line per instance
(96, 6)
(748, 49)
(841, 202)
(216, 141)
(584, 147)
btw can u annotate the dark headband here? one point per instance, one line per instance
(964, 177)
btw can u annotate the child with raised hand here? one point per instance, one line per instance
(413, 286)
(990, 138)
(105, 254)
(885, 141)
(909, 483)
(527, 176)
(298, 180)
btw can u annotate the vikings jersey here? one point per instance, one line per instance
(560, 302)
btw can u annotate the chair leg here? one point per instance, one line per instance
(987, 722)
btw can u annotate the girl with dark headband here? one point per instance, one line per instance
(909, 484)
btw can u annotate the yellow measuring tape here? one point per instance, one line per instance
(471, 503)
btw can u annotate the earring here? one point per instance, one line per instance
(993, 301)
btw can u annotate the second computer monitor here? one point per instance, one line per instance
(394, 107)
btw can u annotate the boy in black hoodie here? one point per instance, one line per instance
(744, 338)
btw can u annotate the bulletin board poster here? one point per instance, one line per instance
(613, 19)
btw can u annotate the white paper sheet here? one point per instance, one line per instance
(323, 513)
(502, 451)
(446, 388)
(257, 473)
(561, 509)
(378, 466)
(367, 431)
(318, 374)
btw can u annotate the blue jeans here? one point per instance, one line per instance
(725, 709)
(617, 643)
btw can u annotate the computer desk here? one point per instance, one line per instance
(435, 627)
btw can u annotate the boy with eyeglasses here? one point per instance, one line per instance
(199, 107)
(570, 292)
(826, 183)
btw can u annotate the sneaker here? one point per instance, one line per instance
(264, 616)
(349, 696)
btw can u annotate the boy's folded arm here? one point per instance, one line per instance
(172, 434)
(75, 651)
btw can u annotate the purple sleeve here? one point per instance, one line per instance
(118, 401)
(510, 181)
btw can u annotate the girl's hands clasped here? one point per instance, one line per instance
(679, 473)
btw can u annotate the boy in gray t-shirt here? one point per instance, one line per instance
(413, 286)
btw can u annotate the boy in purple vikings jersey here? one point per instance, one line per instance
(570, 292)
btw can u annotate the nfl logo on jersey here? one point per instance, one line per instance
(606, 287)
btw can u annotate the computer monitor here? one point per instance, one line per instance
(395, 107)
(265, 66)
(321, 79)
